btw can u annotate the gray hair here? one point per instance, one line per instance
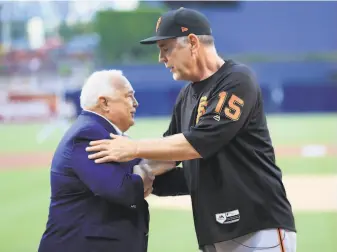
(99, 83)
(204, 39)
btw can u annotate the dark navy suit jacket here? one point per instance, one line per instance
(94, 207)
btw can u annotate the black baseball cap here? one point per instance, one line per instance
(180, 23)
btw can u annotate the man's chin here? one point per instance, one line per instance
(176, 77)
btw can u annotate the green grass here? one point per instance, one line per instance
(24, 210)
(299, 129)
(22, 138)
(301, 165)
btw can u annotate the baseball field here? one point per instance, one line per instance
(306, 148)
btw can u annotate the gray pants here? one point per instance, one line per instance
(269, 240)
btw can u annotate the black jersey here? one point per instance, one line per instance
(236, 187)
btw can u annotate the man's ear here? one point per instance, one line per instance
(193, 42)
(103, 103)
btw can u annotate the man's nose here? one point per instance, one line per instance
(135, 103)
(162, 59)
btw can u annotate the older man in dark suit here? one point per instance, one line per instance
(98, 207)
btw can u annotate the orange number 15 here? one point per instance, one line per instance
(235, 104)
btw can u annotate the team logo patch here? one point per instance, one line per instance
(202, 107)
(228, 217)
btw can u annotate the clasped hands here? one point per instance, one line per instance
(145, 172)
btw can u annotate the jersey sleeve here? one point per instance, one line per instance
(223, 114)
(171, 183)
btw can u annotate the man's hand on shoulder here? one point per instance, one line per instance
(117, 149)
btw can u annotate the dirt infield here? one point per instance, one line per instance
(306, 193)
(26, 160)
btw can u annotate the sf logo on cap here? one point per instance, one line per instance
(158, 23)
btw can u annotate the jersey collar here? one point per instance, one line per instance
(204, 85)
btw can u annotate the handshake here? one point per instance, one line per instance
(148, 169)
(145, 172)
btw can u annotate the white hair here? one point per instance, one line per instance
(99, 83)
(204, 39)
